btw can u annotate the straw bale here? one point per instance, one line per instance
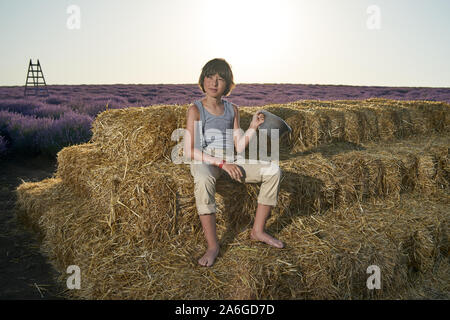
(442, 157)
(442, 237)
(407, 118)
(306, 130)
(313, 181)
(435, 113)
(426, 222)
(147, 197)
(425, 161)
(420, 250)
(138, 132)
(426, 171)
(156, 199)
(432, 285)
(371, 175)
(123, 264)
(33, 199)
(361, 124)
(352, 255)
(75, 166)
(248, 277)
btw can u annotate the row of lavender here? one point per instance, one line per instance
(45, 125)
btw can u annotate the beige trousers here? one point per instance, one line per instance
(205, 176)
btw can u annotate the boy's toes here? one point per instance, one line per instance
(208, 258)
(204, 262)
(279, 244)
(264, 237)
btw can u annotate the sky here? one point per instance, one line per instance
(347, 42)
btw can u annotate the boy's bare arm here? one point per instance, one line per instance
(241, 139)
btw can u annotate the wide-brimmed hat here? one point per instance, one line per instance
(272, 121)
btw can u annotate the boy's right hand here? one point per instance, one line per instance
(234, 171)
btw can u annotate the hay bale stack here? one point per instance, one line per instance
(344, 242)
(325, 257)
(74, 233)
(160, 194)
(156, 199)
(131, 225)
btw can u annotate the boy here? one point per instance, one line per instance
(217, 115)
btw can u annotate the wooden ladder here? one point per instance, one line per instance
(33, 77)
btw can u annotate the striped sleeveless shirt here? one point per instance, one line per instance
(215, 133)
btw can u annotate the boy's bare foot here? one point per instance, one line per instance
(209, 257)
(267, 238)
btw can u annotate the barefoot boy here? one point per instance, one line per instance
(218, 115)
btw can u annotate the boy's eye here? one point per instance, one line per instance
(210, 77)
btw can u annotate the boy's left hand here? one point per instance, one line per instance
(257, 119)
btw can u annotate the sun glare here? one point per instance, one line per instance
(247, 31)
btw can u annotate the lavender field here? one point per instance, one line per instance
(46, 124)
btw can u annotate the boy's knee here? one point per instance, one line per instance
(277, 174)
(205, 180)
(272, 171)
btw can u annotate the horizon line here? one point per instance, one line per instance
(241, 83)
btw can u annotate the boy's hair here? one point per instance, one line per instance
(221, 67)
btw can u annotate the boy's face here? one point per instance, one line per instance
(214, 85)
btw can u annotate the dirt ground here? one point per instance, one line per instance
(24, 271)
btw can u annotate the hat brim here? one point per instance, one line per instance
(272, 121)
